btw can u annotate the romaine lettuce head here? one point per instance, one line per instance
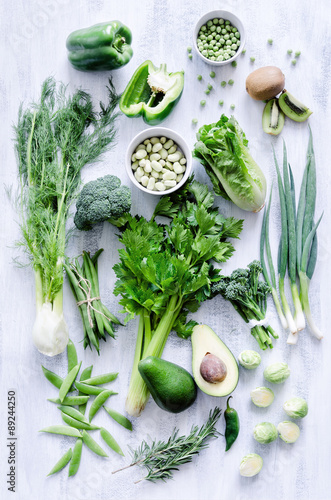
(222, 149)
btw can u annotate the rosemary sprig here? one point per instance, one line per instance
(161, 458)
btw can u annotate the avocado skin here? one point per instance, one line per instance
(171, 386)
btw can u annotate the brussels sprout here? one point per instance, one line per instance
(288, 431)
(262, 396)
(296, 407)
(277, 373)
(249, 359)
(250, 465)
(265, 432)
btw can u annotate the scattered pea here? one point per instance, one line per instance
(252, 59)
(290, 51)
(294, 61)
(189, 49)
(202, 103)
(190, 56)
(231, 82)
(194, 121)
(223, 83)
(234, 64)
(221, 102)
(232, 106)
(297, 54)
(270, 41)
(212, 74)
(199, 77)
(207, 91)
(243, 52)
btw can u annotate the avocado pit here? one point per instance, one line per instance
(213, 369)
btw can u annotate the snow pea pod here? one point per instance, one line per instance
(98, 403)
(64, 430)
(108, 439)
(68, 381)
(232, 425)
(61, 463)
(93, 445)
(101, 379)
(71, 400)
(90, 389)
(86, 373)
(72, 412)
(72, 355)
(52, 377)
(77, 424)
(76, 456)
(120, 419)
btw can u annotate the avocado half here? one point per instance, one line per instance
(204, 341)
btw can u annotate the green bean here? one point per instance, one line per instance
(120, 419)
(95, 257)
(98, 403)
(108, 439)
(101, 379)
(72, 355)
(93, 445)
(95, 292)
(68, 381)
(76, 456)
(53, 378)
(86, 373)
(64, 430)
(77, 424)
(90, 389)
(111, 316)
(61, 463)
(71, 400)
(72, 412)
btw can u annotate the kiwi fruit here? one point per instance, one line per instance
(293, 108)
(273, 118)
(265, 83)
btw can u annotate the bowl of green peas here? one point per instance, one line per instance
(219, 37)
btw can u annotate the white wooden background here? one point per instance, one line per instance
(33, 35)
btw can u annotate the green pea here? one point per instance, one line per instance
(237, 34)
(297, 54)
(232, 106)
(52, 377)
(189, 49)
(209, 86)
(270, 41)
(68, 381)
(223, 83)
(204, 52)
(61, 463)
(289, 52)
(72, 422)
(217, 37)
(234, 30)
(194, 122)
(224, 32)
(93, 445)
(199, 77)
(209, 23)
(252, 59)
(243, 51)
(98, 403)
(202, 103)
(221, 21)
(203, 27)
(212, 43)
(64, 430)
(220, 58)
(234, 63)
(76, 456)
(222, 41)
(190, 56)
(72, 355)
(120, 419)
(226, 37)
(294, 61)
(228, 28)
(207, 91)
(218, 29)
(221, 102)
(231, 82)
(212, 58)
(108, 439)
(227, 22)
(215, 21)
(213, 28)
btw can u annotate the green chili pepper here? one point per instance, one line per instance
(100, 47)
(152, 93)
(232, 425)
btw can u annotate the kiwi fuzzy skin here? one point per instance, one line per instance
(265, 83)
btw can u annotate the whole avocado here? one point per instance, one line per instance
(171, 386)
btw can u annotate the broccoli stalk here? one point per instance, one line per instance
(248, 295)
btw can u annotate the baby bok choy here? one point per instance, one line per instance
(54, 139)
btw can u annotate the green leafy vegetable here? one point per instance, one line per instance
(165, 271)
(54, 139)
(222, 150)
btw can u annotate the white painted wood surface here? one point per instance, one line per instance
(33, 37)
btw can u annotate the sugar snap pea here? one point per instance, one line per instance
(90, 389)
(68, 381)
(101, 379)
(76, 456)
(77, 424)
(86, 373)
(72, 412)
(108, 439)
(120, 419)
(98, 402)
(71, 400)
(61, 463)
(52, 377)
(72, 355)
(93, 445)
(64, 430)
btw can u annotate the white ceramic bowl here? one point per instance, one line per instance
(227, 16)
(148, 133)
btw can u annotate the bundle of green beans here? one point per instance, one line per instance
(73, 410)
(297, 253)
(97, 319)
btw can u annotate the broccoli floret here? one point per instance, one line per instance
(101, 200)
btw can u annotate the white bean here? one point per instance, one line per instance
(135, 165)
(157, 147)
(170, 184)
(133, 157)
(137, 176)
(163, 140)
(141, 153)
(148, 167)
(141, 146)
(155, 156)
(160, 186)
(164, 153)
(144, 180)
(154, 140)
(140, 171)
(151, 183)
(169, 176)
(162, 162)
(182, 161)
(149, 147)
(178, 168)
(169, 165)
(179, 177)
(175, 156)
(172, 149)
(156, 166)
(146, 141)
(142, 162)
(155, 174)
(168, 144)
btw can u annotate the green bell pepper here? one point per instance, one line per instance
(152, 93)
(100, 47)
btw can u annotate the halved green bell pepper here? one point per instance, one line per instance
(100, 47)
(152, 93)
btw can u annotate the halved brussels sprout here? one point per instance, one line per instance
(296, 407)
(288, 431)
(262, 396)
(277, 373)
(265, 432)
(250, 465)
(249, 359)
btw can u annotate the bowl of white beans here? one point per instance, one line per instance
(158, 161)
(219, 37)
